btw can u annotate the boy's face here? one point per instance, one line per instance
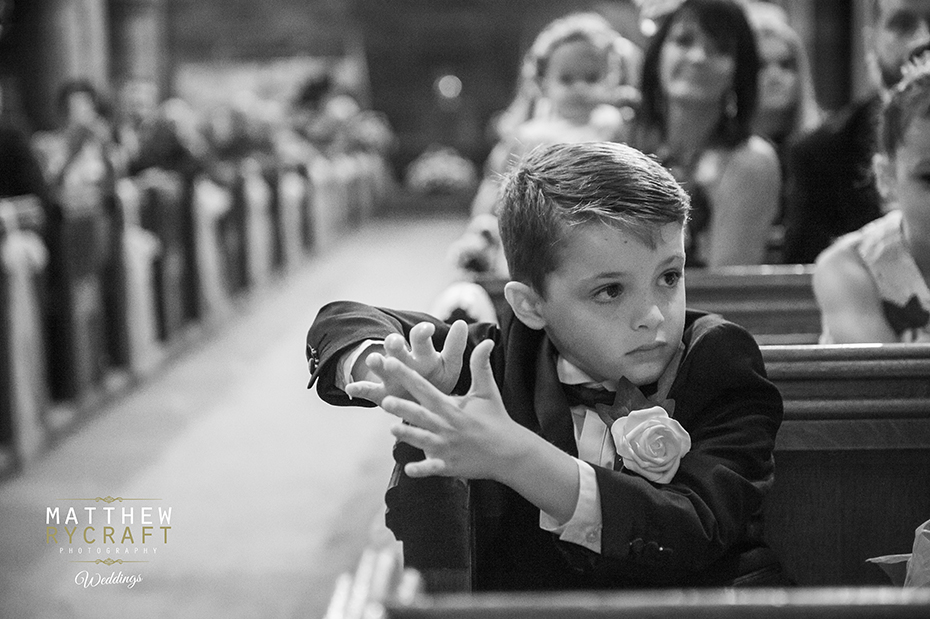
(615, 307)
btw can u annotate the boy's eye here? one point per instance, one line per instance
(671, 278)
(608, 293)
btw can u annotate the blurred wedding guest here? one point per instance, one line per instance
(77, 158)
(169, 138)
(575, 78)
(20, 172)
(872, 284)
(833, 189)
(787, 101)
(136, 109)
(229, 141)
(699, 95)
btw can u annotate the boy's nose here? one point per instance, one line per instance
(650, 318)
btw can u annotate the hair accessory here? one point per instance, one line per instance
(917, 66)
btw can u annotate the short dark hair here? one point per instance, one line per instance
(559, 186)
(726, 23)
(74, 87)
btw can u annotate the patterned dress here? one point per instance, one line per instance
(901, 286)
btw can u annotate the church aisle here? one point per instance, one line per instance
(271, 491)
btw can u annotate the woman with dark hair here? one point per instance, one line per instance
(699, 92)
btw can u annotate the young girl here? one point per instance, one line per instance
(575, 78)
(872, 284)
(699, 89)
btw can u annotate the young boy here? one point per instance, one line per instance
(669, 493)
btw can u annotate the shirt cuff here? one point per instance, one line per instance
(584, 527)
(344, 377)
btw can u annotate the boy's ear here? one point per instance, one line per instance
(525, 303)
(884, 176)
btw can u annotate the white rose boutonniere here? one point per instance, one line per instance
(651, 443)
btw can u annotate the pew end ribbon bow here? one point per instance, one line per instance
(648, 440)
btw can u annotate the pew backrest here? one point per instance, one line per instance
(773, 302)
(830, 603)
(852, 458)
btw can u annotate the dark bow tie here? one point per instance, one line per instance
(610, 405)
(588, 396)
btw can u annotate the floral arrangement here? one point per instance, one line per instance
(651, 443)
(439, 170)
(648, 440)
(479, 251)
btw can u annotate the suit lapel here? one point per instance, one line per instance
(555, 418)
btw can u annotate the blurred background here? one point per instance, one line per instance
(185, 184)
(391, 56)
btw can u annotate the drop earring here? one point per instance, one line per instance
(730, 107)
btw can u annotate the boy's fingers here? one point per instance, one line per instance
(396, 346)
(375, 362)
(418, 437)
(454, 346)
(413, 413)
(482, 377)
(421, 343)
(417, 386)
(425, 468)
(367, 390)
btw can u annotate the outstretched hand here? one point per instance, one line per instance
(441, 369)
(471, 436)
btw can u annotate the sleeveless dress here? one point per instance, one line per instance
(903, 291)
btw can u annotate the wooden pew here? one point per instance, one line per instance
(841, 603)
(852, 471)
(382, 588)
(773, 302)
(852, 458)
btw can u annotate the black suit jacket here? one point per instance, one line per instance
(831, 188)
(687, 532)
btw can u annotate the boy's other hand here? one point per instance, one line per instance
(470, 436)
(441, 369)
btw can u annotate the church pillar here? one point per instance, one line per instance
(138, 30)
(70, 40)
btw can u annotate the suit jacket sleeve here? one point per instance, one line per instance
(663, 533)
(343, 325)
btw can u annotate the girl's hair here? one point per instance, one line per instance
(769, 21)
(726, 24)
(73, 87)
(908, 100)
(563, 185)
(623, 56)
